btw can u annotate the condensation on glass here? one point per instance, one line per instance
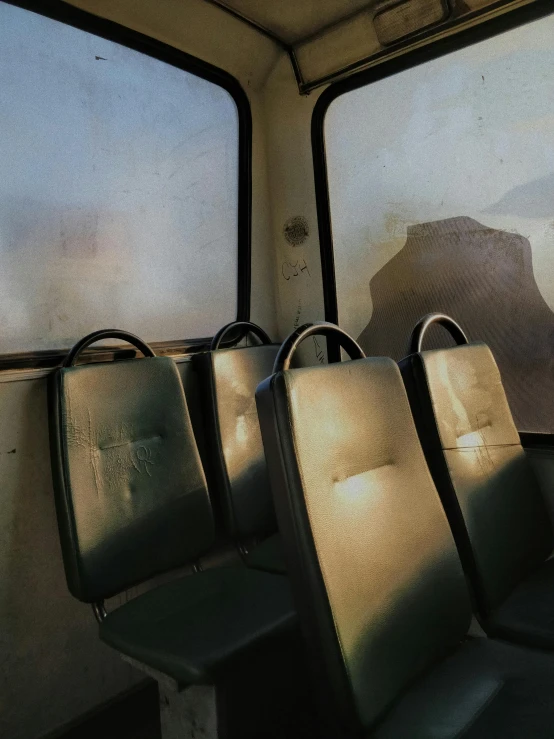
(118, 191)
(442, 199)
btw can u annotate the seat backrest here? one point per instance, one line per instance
(488, 488)
(377, 580)
(130, 491)
(229, 378)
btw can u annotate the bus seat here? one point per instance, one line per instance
(378, 582)
(132, 502)
(194, 628)
(229, 378)
(489, 491)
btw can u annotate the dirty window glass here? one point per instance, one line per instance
(442, 199)
(118, 191)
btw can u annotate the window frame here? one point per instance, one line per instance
(61, 11)
(434, 50)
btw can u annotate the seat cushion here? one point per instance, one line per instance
(193, 628)
(527, 615)
(484, 690)
(268, 556)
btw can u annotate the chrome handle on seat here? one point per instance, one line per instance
(252, 328)
(291, 343)
(106, 333)
(420, 329)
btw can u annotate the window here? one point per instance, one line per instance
(441, 184)
(118, 191)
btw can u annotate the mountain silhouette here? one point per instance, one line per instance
(484, 279)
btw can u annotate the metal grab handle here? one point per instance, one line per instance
(420, 329)
(291, 343)
(252, 329)
(106, 333)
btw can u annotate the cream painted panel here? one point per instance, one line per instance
(292, 20)
(53, 667)
(340, 46)
(297, 268)
(263, 287)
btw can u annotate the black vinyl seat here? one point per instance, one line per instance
(485, 689)
(229, 379)
(493, 501)
(194, 628)
(376, 575)
(132, 502)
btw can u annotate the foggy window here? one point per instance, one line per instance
(442, 199)
(118, 191)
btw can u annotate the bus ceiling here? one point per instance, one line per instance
(328, 40)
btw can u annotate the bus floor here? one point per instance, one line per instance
(135, 716)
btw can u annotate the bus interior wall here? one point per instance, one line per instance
(56, 669)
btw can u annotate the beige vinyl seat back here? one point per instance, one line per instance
(474, 452)
(374, 568)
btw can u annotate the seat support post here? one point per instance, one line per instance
(188, 714)
(185, 713)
